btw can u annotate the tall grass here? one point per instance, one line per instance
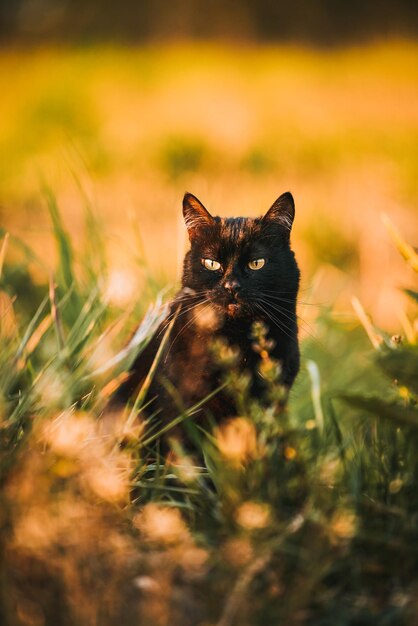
(299, 516)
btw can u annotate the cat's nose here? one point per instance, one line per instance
(232, 285)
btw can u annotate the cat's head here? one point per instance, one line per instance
(241, 265)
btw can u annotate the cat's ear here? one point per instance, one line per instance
(282, 212)
(195, 215)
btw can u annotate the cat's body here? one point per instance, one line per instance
(237, 272)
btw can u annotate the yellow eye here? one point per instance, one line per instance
(210, 264)
(256, 264)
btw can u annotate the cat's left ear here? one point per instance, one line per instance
(282, 212)
(195, 215)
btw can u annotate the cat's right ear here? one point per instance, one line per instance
(282, 212)
(195, 215)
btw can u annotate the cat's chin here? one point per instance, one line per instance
(234, 310)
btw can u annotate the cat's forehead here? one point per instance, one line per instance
(237, 230)
(231, 237)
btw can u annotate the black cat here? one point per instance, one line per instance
(237, 271)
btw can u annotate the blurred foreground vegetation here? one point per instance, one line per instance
(307, 517)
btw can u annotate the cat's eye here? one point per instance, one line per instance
(256, 264)
(210, 264)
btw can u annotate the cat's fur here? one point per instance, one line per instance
(224, 304)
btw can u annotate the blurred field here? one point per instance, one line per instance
(136, 127)
(296, 517)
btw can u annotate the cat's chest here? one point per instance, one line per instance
(199, 365)
(202, 354)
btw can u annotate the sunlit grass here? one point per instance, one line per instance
(298, 516)
(306, 517)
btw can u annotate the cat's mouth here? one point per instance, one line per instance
(230, 306)
(230, 309)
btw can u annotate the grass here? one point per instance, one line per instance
(307, 517)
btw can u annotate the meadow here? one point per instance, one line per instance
(309, 517)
